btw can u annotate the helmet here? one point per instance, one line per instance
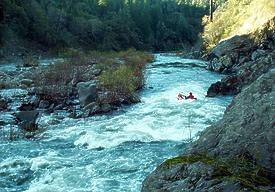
(190, 93)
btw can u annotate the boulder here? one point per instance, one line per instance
(3, 104)
(257, 54)
(105, 96)
(43, 104)
(247, 126)
(134, 98)
(222, 64)
(27, 115)
(105, 107)
(26, 107)
(27, 120)
(87, 92)
(27, 82)
(92, 108)
(246, 74)
(233, 48)
(228, 86)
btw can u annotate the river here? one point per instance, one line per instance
(115, 152)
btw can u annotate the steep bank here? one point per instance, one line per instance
(237, 17)
(237, 153)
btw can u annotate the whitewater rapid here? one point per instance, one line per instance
(115, 152)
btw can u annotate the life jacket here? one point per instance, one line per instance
(191, 97)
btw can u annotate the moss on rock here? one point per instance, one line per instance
(241, 170)
(189, 159)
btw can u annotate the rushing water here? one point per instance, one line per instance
(115, 152)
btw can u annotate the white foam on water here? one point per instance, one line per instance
(109, 139)
(8, 93)
(60, 180)
(159, 117)
(44, 161)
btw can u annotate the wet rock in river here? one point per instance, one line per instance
(92, 108)
(27, 119)
(3, 104)
(44, 104)
(87, 92)
(27, 82)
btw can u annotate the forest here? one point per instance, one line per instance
(157, 25)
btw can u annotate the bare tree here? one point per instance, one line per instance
(211, 10)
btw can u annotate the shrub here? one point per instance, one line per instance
(120, 81)
(54, 81)
(123, 73)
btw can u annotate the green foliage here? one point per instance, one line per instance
(106, 24)
(124, 73)
(189, 159)
(120, 80)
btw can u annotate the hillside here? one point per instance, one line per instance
(99, 25)
(237, 17)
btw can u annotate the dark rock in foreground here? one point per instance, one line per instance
(236, 154)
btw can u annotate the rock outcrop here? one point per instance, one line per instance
(244, 58)
(229, 53)
(247, 73)
(235, 154)
(27, 120)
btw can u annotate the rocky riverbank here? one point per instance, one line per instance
(79, 86)
(237, 153)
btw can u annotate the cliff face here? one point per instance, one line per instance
(238, 152)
